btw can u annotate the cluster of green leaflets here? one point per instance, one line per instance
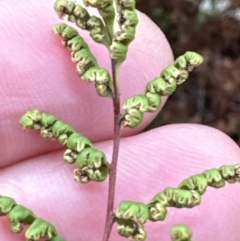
(163, 85)
(91, 163)
(188, 193)
(20, 216)
(101, 31)
(127, 20)
(86, 64)
(117, 43)
(131, 216)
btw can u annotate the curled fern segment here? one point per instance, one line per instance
(170, 74)
(171, 197)
(128, 20)
(154, 101)
(106, 10)
(118, 51)
(102, 79)
(63, 7)
(138, 102)
(161, 87)
(82, 56)
(98, 75)
(182, 198)
(6, 205)
(230, 173)
(213, 178)
(98, 31)
(132, 118)
(75, 144)
(131, 217)
(92, 158)
(136, 105)
(79, 15)
(19, 216)
(92, 165)
(74, 12)
(62, 131)
(31, 119)
(181, 232)
(50, 126)
(65, 31)
(76, 44)
(104, 90)
(186, 63)
(197, 182)
(134, 108)
(193, 60)
(40, 228)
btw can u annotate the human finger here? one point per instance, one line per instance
(148, 163)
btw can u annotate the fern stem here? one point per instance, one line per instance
(116, 141)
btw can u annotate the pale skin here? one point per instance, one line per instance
(36, 72)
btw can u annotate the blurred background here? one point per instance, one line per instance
(211, 96)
